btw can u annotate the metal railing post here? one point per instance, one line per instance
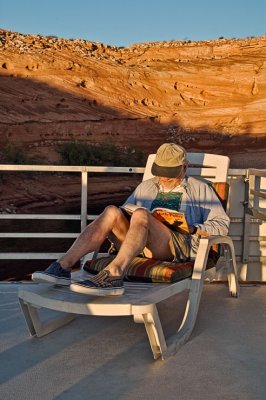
(256, 199)
(246, 222)
(84, 200)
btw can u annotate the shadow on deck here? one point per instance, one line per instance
(110, 358)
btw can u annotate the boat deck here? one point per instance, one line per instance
(110, 358)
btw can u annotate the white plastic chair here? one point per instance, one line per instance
(140, 299)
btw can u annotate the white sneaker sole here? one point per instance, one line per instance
(75, 287)
(45, 278)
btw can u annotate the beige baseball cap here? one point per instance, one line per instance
(170, 158)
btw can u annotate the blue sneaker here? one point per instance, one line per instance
(100, 285)
(53, 274)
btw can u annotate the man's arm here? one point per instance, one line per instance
(215, 221)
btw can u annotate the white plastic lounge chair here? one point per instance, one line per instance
(140, 299)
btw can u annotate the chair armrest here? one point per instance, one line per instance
(216, 239)
(205, 245)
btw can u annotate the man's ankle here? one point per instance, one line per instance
(115, 271)
(64, 265)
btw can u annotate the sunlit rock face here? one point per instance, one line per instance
(208, 95)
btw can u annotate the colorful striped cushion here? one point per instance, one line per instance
(149, 270)
(222, 191)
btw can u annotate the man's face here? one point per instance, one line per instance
(170, 183)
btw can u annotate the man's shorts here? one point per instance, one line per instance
(181, 245)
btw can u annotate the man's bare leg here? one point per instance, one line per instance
(111, 220)
(144, 233)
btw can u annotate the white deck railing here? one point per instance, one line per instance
(257, 193)
(83, 217)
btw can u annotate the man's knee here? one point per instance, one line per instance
(111, 210)
(112, 213)
(141, 215)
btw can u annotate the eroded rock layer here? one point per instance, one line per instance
(208, 95)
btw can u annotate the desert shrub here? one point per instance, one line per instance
(77, 153)
(15, 155)
(132, 157)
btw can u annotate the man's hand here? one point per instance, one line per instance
(193, 230)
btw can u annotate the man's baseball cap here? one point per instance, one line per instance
(170, 158)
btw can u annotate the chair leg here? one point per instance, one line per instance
(154, 331)
(36, 326)
(189, 319)
(28, 317)
(195, 291)
(232, 270)
(192, 306)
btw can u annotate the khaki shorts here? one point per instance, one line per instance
(181, 245)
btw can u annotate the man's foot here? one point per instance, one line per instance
(53, 274)
(103, 284)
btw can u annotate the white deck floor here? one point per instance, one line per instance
(110, 358)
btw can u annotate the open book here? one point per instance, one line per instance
(173, 219)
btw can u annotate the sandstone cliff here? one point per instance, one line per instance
(208, 95)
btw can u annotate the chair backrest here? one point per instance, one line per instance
(212, 167)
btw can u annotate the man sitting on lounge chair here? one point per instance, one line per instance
(143, 234)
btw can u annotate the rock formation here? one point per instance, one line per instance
(208, 95)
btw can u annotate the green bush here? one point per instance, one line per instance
(15, 155)
(77, 153)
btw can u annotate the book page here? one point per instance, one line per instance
(130, 208)
(172, 218)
